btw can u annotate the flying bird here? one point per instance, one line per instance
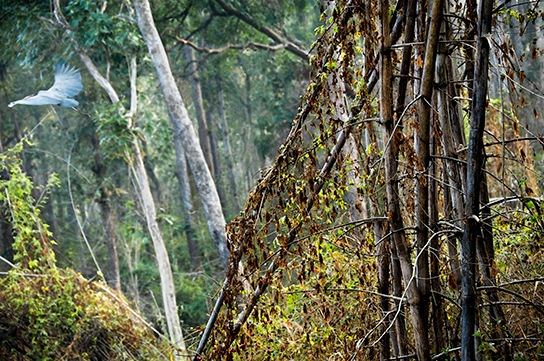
(67, 85)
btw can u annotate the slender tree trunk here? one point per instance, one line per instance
(187, 204)
(475, 162)
(165, 272)
(183, 128)
(486, 255)
(226, 147)
(167, 280)
(198, 103)
(384, 254)
(452, 167)
(337, 91)
(423, 154)
(393, 202)
(108, 216)
(405, 66)
(438, 318)
(212, 137)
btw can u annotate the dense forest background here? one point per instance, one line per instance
(340, 180)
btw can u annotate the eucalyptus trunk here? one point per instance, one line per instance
(227, 148)
(184, 129)
(198, 104)
(165, 271)
(187, 204)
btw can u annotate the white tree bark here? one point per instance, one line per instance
(184, 129)
(167, 279)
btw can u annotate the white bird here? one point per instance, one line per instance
(67, 85)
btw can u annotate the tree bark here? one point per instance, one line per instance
(391, 176)
(167, 279)
(452, 166)
(184, 129)
(187, 204)
(475, 162)
(108, 216)
(423, 155)
(198, 103)
(226, 148)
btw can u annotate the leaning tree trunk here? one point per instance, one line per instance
(184, 128)
(475, 162)
(139, 168)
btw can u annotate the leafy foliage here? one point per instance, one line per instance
(48, 313)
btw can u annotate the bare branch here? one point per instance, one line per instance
(289, 45)
(249, 45)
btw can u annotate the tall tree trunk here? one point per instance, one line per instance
(212, 137)
(488, 268)
(165, 272)
(423, 155)
(475, 162)
(226, 148)
(187, 204)
(452, 167)
(108, 216)
(184, 128)
(198, 103)
(167, 279)
(439, 317)
(393, 202)
(405, 66)
(384, 254)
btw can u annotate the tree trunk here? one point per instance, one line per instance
(452, 174)
(167, 279)
(475, 162)
(198, 103)
(226, 148)
(439, 317)
(423, 155)
(183, 128)
(160, 249)
(212, 137)
(393, 202)
(187, 204)
(107, 214)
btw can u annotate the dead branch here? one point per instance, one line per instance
(249, 45)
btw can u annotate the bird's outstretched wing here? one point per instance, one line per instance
(67, 85)
(67, 80)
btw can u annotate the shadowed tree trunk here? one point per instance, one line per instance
(212, 137)
(187, 204)
(198, 103)
(423, 155)
(108, 216)
(226, 147)
(475, 162)
(392, 137)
